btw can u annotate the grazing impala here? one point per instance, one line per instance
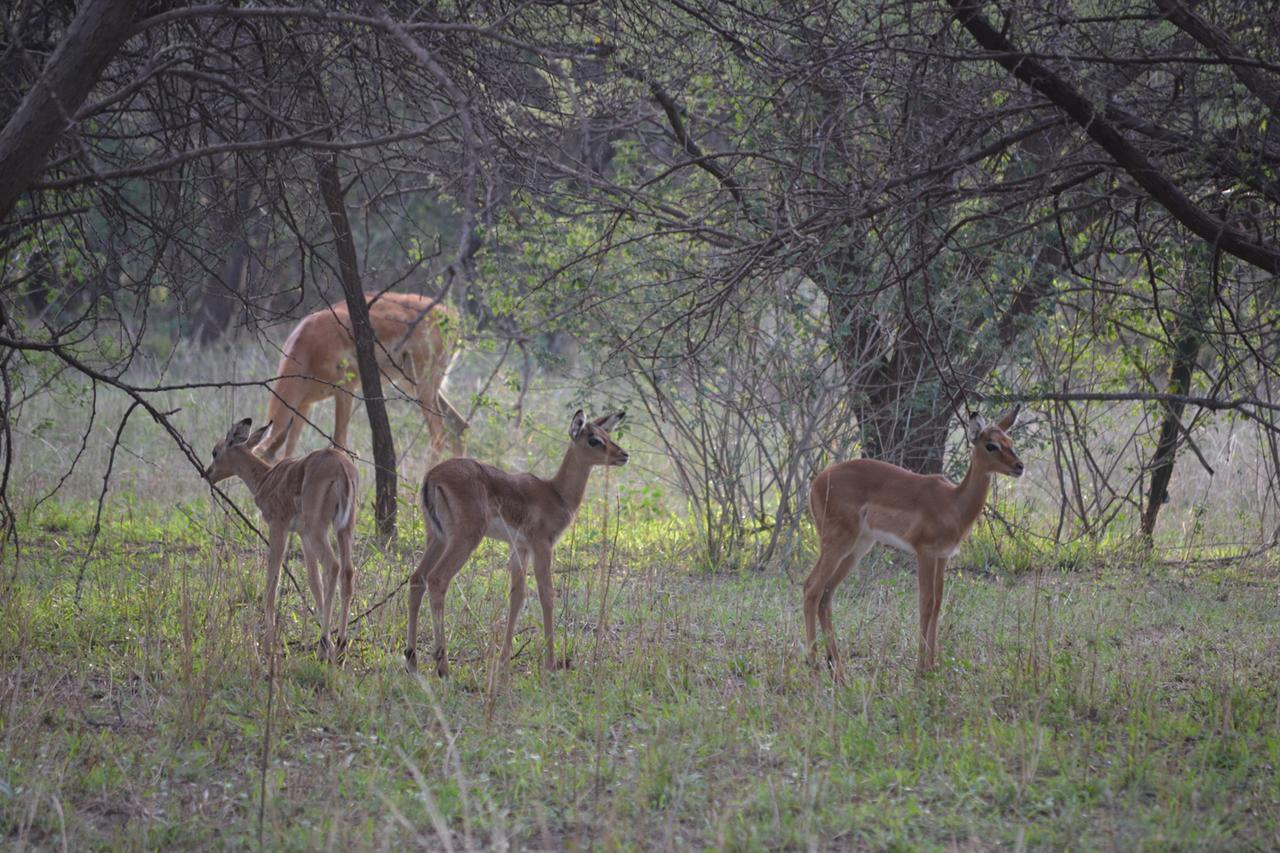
(463, 501)
(859, 503)
(416, 337)
(307, 495)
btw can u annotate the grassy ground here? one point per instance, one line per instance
(1114, 707)
(1084, 700)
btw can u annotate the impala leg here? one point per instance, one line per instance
(940, 567)
(417, 588)
(456, 552)
(547, 597)
(860, 548)
(276, 542)
(835, 546)
(329, 564)
(314, 552)
(343, 404)
(348, 576)
(515, 565)
(295, 429)
(427, 386)
(925, 571)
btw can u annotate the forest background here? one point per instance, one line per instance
(780, 235)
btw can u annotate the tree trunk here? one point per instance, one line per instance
(384, 451)
(219, 299)
(902, 411)
(1188, 337)
(96, 33)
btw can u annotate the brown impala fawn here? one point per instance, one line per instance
(307, 495)
(463, 501)
(858, 503)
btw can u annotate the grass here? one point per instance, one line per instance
(1099, 708)
(1087, 697)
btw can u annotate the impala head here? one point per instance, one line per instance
(239, 442)
(991, 445)
(592, 438)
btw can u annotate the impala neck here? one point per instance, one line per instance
(973, 489)
(251, 468)
(570, 482)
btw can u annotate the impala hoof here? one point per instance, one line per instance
(442, 663)
(411, 660)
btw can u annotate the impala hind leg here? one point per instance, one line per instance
(427, 382)
(317, 554)
(860, 549)
(295, 429)
(835, 546)
(347, 574)
(418, 587)
(456, 552)
(343, 404)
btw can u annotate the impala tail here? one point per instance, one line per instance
(428, 505)
(345, 517)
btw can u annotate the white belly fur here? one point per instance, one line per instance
(884, 537)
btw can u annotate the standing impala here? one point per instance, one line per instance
(463, 501)
(307, 495)
(415, 335)
(859, 503)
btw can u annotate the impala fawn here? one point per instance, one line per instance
(463, 501)
(858, 503)
(308, 495)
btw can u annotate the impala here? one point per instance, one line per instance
(858, 503)
(463, 501)
(415, 336)
(308, 495)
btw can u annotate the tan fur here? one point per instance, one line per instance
(463, 501)
(417, 337)
(308, 495)
(858, 503)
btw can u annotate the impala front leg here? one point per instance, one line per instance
(516, 565)
(925, 584)
(940, 567)
(277, 539)
(547, 597)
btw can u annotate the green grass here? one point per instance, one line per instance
(1103, 707)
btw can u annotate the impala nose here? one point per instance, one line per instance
(621, 458)
(1018, 469)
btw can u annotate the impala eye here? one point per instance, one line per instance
(992, 448)
(595, 442)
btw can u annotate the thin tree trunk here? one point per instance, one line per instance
(1188, 337)
(96, 33)
(384, 451)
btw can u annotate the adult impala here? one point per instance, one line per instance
(463, 501)
(416, 336)
(308, 495)
(858, 503)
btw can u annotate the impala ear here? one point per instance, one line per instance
(578, 424)
(608, 422)
(976, 426)
(252, 441)
(1010, 419)
(239, 432)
